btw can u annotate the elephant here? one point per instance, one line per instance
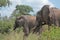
(47, 16)
(55, 16)
(43, 18)
(27, 22)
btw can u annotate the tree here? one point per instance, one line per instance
(22, 10)
(4, 3)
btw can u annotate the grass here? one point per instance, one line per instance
(53, 34)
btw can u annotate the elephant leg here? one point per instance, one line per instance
(40, 28)
(40, 31)
(49, 23)
(54, 22)
(36, 29)
(59, 23)
(14, 28)
(25, 37)
(26, 32)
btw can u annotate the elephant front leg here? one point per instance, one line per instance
(25, 36)
(26, 33)
(49, 23)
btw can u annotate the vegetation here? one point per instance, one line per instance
(22, 10)
(7, 23)
(54, 34)
(4, 3)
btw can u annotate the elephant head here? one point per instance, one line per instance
(18, 22)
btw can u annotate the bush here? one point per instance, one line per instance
(5, 26)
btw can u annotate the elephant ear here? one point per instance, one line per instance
(45, 8)
(18, 18)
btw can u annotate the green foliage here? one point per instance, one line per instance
(53, 34)
(22, 10)
(4, 3)
(6, 25)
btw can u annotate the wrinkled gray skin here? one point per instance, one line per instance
(28, 23)
(55, 16)
(43, 17)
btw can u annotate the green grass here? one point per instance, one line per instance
(53, 34)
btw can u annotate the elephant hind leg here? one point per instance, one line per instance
(59, 22)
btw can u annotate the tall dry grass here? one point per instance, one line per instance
(53, 34)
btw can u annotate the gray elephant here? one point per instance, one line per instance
(28, 23)
(55, 16)
(43, 17)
